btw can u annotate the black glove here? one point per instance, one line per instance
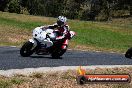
(52, 39)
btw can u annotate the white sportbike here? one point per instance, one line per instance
(44, 43)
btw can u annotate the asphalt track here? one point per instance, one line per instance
(11, 59)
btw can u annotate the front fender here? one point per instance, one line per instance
(33, 41)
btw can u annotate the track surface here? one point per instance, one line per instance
(11, 59)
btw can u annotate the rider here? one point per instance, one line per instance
(61, 28)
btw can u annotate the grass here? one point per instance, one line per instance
(4, 84)
(17, 81)
(103, 36)
(37, 75)
(63, 79)
(11, 82)
(19, 24)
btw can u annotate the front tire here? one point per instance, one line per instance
(129, 53)
(26, 49)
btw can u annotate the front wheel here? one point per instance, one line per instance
(26, 49)
(129, 53)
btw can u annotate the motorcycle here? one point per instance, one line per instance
(44, 43)
(128, 53)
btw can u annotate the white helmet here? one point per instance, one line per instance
(61, 20)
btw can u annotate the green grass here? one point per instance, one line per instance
(8, 82)
(19, 24)
(100, 37)
(17, 81)
(4, 84)
(106, 36)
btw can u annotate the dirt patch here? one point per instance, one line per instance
(13, 36)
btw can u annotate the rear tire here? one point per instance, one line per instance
(58, 53)
(25, 50)
(129, 53)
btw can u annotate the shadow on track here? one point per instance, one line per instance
(45, 57)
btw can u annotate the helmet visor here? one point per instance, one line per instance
(60, 23)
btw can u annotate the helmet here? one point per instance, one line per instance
(61, 20)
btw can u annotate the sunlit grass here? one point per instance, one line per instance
(105, 36)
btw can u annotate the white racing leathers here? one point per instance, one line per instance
(62, 32)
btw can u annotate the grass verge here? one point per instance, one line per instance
(63, 79)
(103, 36)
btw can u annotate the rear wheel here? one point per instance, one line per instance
(57, 53)
(129, 53)
(26, 49)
